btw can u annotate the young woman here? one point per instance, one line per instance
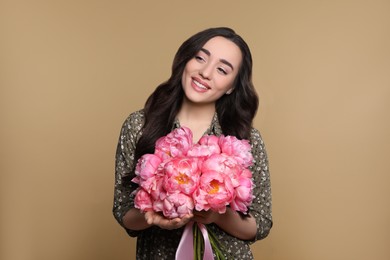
(210, 91)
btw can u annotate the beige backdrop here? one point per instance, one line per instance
(71, 71)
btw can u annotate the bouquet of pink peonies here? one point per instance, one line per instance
(181, 176)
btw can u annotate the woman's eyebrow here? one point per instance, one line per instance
(207, 52)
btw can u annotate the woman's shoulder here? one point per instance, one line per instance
(258, 146)
(255, 136)
(255, 132)
(137, 115)
(135, 120)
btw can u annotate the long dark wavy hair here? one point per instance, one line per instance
(235, 111)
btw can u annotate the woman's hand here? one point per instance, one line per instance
(206, 217)
(157, 219)
(230, 221)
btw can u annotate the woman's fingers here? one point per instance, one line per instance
(154, 218)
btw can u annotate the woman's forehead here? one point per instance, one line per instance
(222, 48)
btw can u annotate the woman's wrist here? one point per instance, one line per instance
(134, 219)
(233, 223)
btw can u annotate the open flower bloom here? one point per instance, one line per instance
(239, 149)
(223, 164)
(215, 192)
(176, 143)
(181, 174)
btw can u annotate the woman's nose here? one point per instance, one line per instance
(206, 71)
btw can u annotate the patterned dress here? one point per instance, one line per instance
(157, 243)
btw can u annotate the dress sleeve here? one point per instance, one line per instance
(261, 208)
(124, 169)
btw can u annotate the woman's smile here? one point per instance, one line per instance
(199, 85)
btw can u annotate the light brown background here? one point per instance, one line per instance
(71, 71)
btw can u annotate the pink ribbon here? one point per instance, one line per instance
(185, 250)
(186, 245)
(208, 251)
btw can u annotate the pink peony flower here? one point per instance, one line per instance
(243, 192)
(177, 205)
(158, 201)
(146, 167)
(142, 200)
(153, 185)
(215, 192)
(148, 171)
(239, 149)
(176, 143)
(207, 145)
(181, 175)
(223, 164)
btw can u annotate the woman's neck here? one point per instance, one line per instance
(196, 117)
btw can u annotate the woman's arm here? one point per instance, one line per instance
(124, 171)
(261, 208)
(242, 227)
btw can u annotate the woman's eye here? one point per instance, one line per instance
(199, 58)
(222, 70)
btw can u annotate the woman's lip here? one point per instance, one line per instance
(198, 87)
(201, 82)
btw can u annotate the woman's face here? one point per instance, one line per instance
(211, 73)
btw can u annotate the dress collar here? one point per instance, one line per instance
(214, 128)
